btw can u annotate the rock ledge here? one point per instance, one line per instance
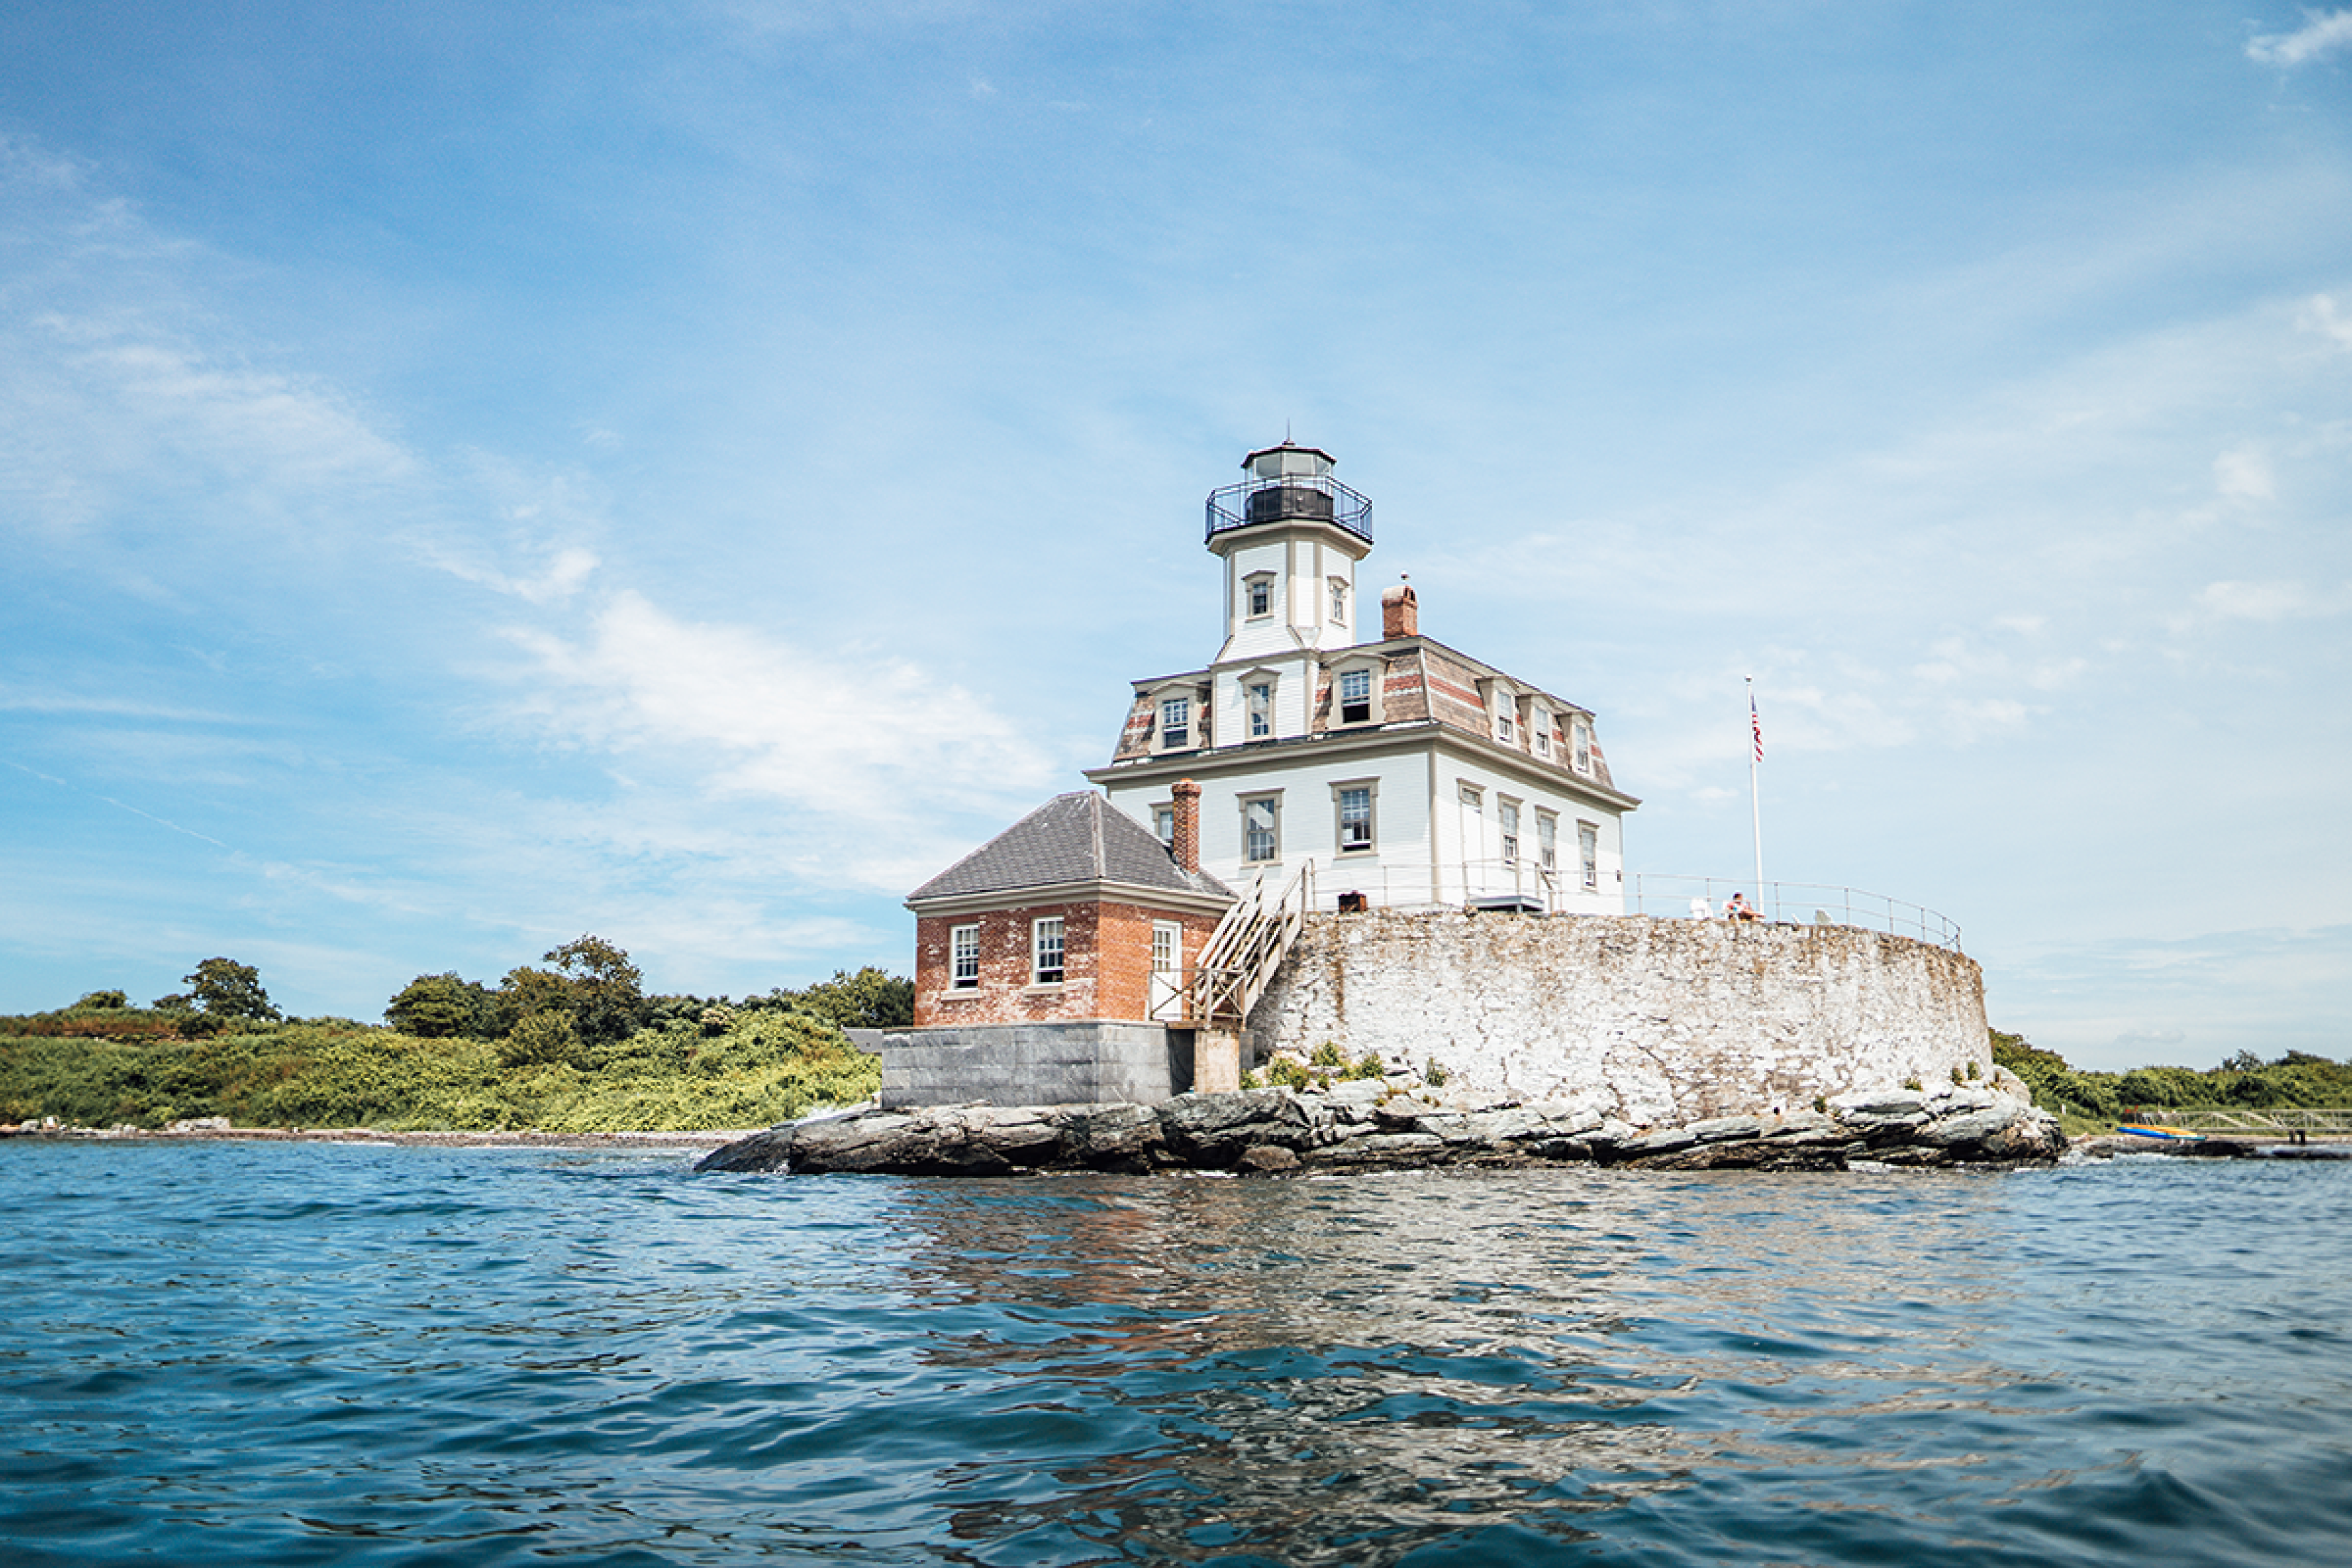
(1363, 1126)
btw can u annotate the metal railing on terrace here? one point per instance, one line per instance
(1290, 498)
(1798, 903)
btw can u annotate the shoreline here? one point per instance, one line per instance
(510, 1138)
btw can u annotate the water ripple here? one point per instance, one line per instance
(287, 1354)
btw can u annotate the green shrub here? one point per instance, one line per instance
(540, 1038)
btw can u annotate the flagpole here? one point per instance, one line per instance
(1755, 797)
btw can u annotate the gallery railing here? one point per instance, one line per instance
(1800, 903)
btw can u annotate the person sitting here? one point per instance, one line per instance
(1737, 908)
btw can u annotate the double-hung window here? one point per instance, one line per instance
(1261, 709)
(1355, 818)
(1260, 591)
(1163, 824)
(963, 957)
(1355, 697)
(1175, 722)
(1539, 732)
(1339, 601)
(1046, 951)
(1262, 828)
(1547, 840)
(1579, 745)
(1508, 812)
(1587, 850)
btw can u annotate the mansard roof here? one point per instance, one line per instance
(1072, 839)
(1427, 683)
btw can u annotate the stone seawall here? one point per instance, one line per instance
(1658, 1021)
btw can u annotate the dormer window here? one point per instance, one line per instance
(1504, 730)
(1580, 743)
(1356, 690)
(1339, 601)
(1258, 591)
(1539, 732)
(1175, 722)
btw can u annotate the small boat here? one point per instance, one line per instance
(2151, 1130)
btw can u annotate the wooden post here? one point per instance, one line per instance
(1216, 1060)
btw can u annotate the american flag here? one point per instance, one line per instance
(1755, 726)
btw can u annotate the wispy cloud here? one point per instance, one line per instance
(2322, 32)
(2271, 600)
(2321, 316)
(873, 748)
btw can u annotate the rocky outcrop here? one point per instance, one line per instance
(1369, 1125)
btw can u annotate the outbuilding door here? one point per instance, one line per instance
(1167, 972)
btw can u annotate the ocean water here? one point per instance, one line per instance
(271, 1353)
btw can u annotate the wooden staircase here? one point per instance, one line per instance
(1246, 951)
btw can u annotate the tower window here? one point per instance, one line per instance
(1260, 592)
(1355, 697)
(1261, 709)
(1339, 601)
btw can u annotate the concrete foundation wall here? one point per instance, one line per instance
(1035, 1064)
(1653, 1020)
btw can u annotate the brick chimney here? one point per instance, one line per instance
(1187, 847)
(1400, 616)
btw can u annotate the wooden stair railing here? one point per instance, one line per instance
(1246, 950)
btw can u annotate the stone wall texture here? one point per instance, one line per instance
(1085, 1063)
(1655, 1021)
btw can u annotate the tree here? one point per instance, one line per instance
(101, 1001)
(608, 999)
(437, 1006)
(228, 989)
(869, 999)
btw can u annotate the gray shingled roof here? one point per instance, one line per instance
(1074, 838)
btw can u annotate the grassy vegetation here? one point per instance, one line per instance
(693, 1064)
(2085, 1101)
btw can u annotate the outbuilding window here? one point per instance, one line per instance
(1046, 951)
(963, 957)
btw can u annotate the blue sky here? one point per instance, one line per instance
(471, 476)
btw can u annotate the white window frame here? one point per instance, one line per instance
(1580, 743)
(1272, 801)
(1257, 700)
(1257, 585)
(1375, 673)
(1163, 822)
(1338, 586)
(1506, 821)
(1539, 730)
(1548, 839)
(1340, 791)
(964, 943)
(1587, 852)
(1048, 935)
(1175, 732)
